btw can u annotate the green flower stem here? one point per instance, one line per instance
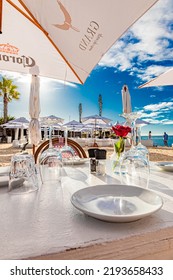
(119, 148)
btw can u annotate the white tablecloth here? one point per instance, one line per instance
(46, 224)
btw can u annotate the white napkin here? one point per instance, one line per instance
(4, 170)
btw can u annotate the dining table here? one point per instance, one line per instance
(45, 225)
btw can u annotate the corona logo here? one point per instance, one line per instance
(9, 54)
(8, 49)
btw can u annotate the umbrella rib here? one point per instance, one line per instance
(25, 15)
(34, 21)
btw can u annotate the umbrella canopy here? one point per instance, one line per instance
(15, 125)
(34, 111)
(126, 100)
(19, 121)
(50, 120)
(73, 124)
(165, 79)
(95, 119)
(140, 123)
(65, 39)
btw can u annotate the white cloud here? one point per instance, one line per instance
(159, 107)
(152, 35)
(152, 121)
(167, 122)
(157, 113)
(152, 95)
(150, 115)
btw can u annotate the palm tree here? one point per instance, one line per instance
(9, 92)
(100, 104)
(80, 112)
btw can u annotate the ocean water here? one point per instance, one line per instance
(158, 140)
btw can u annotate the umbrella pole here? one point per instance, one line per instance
(0, 16)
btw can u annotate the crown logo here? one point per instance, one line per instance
(7, 48)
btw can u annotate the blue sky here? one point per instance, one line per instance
(144, 52)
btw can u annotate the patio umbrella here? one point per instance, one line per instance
(21, 120)
(66, 39)
(73, 125)
(39, 33)
(50, 120)
(126, 100)
(19, 123)
(140, 123)
(94, 121)
(34, 111)
(165, 79)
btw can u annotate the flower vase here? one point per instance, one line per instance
(115, 162)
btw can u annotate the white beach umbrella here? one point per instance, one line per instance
(140, 123)
(165, 79)
(34, 111)
(40, 33)
(66, 39)
(126, 100)
(95, 119)
(73, 126)
(15, 125)
(19, 123)
(51, 120)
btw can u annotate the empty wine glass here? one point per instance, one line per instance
(134, 165)
(67, 152)
(140, 147)
(50, 162)
(134, 169)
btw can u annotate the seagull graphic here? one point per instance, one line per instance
(67, 21)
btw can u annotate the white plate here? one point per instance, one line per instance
(116, 203)
(166, 166)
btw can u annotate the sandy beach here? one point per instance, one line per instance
(155, 153)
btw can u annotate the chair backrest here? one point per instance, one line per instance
(60, 142)
(97, 153)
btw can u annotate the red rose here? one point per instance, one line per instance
(121, 130)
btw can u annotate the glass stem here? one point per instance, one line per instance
(50, 137)
(133, 133)
(139, 134)
(66, 137)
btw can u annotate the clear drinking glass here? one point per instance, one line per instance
(23, 174)
(50, 162)
(134, 165)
